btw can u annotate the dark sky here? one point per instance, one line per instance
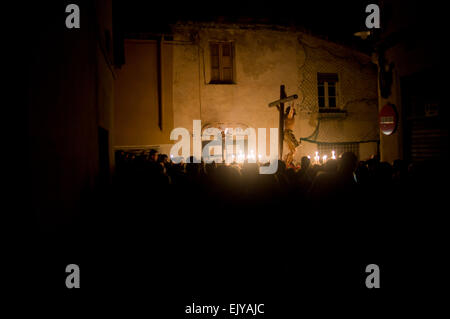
(337, 19)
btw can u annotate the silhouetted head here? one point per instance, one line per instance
(305, 162)
(250, 169)
(192, 168)
(210, 167)
(362, 173)
(163, 158)
(384, 172)
(281, 167)
(347, 163)
(400, 168)
(331, 166)
(153, 156)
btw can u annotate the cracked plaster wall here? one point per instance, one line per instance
(265, 59)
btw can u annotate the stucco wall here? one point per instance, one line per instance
(264, 60)
(136, 96)
(357, 95)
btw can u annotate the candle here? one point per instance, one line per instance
(316, 158)
(324, 159)
(252, 155)
(333, 155)
(241, 156)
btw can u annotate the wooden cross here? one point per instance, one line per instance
(280, 106)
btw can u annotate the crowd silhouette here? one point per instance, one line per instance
(342, 181)
(199, 221)
(343, 208)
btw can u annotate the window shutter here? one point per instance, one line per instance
(215, 64)
(227, 62)
(221, 62)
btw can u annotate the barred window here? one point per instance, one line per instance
(339, 149)
(222, 62)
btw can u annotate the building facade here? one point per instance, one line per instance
(226, 75)
(70, 111)
(409, 54)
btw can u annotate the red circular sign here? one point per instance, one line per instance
(388, 119)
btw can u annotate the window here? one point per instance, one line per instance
(221, 62)
(327, 90)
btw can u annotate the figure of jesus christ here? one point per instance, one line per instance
(289, 137)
